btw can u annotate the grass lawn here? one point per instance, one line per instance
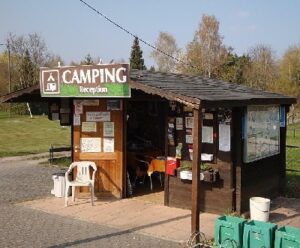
(23, 135)
(293, 162)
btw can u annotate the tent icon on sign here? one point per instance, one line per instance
(51, 82)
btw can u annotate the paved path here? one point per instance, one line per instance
(22, 180)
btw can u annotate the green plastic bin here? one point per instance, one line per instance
(229, 231)
(287, 237)
(259, 234)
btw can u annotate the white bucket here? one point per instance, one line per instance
(259, 208)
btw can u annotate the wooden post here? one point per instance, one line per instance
(197, 140)
(167, 178)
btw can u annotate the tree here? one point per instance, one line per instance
(261, 73)
(88, 60)
(289, 69)
(205, 53)
(166, 43)
(4, 87)
(234, 68)
(54, 60)
(27, 71)
(290, 65)
(22, 48)
(136, 57)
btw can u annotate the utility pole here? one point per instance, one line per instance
(9, 66)
(9, 71)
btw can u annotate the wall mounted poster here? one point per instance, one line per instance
(171, 132)
(97, 116)
(262, 132)
(90, 144)
(189, 139)
(90, 102)
(108, 145)
(89, 127)
(108, 129)
(189, 121)
(76, 120)
(207, 134)
(224, 137)
(179, 123)
(114, 104)
(78, 107)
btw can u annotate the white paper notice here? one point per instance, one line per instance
(90, 144)
(179, 123)
(224, 137)
(108, 129)
(78, 107)
(108, 145)
(76, 120)
(97, 116)
(89, 127)
(189, 122)
(207, 134)
(189, 139)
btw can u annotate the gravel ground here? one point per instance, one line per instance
(24, 179)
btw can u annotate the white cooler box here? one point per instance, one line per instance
(59, 184)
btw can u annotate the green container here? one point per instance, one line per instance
(287, 237)
(259, 234)
(229, 231)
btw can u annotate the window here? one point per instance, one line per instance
(261, 132)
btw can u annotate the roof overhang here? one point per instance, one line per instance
(189, 101)
(29, 94)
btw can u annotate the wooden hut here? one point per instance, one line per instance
(233, 135)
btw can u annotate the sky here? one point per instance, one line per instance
(71, 30)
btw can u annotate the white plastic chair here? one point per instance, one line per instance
(83, 178)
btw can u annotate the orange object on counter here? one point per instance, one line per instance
(158, 165)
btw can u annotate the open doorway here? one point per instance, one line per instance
(145, 148)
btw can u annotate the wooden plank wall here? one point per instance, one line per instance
(259, 178)
(214, 197)
(110, 174)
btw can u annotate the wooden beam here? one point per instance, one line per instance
(197, 140)
(167, 177)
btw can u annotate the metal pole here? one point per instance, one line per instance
(9, 75)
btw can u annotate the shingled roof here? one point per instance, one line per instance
(193, 89)
(190, 90)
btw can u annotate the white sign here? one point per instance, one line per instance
(189, 121)
(108, 145)
(89, 127)
(78, 107)
(76, 120)
(208, 116)
(90, 144)
(179, 123)
(189, 139)
(108, 129)
(97, 116)
(224, 137)
(207, 134)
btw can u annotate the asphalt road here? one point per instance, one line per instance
(23, 179)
